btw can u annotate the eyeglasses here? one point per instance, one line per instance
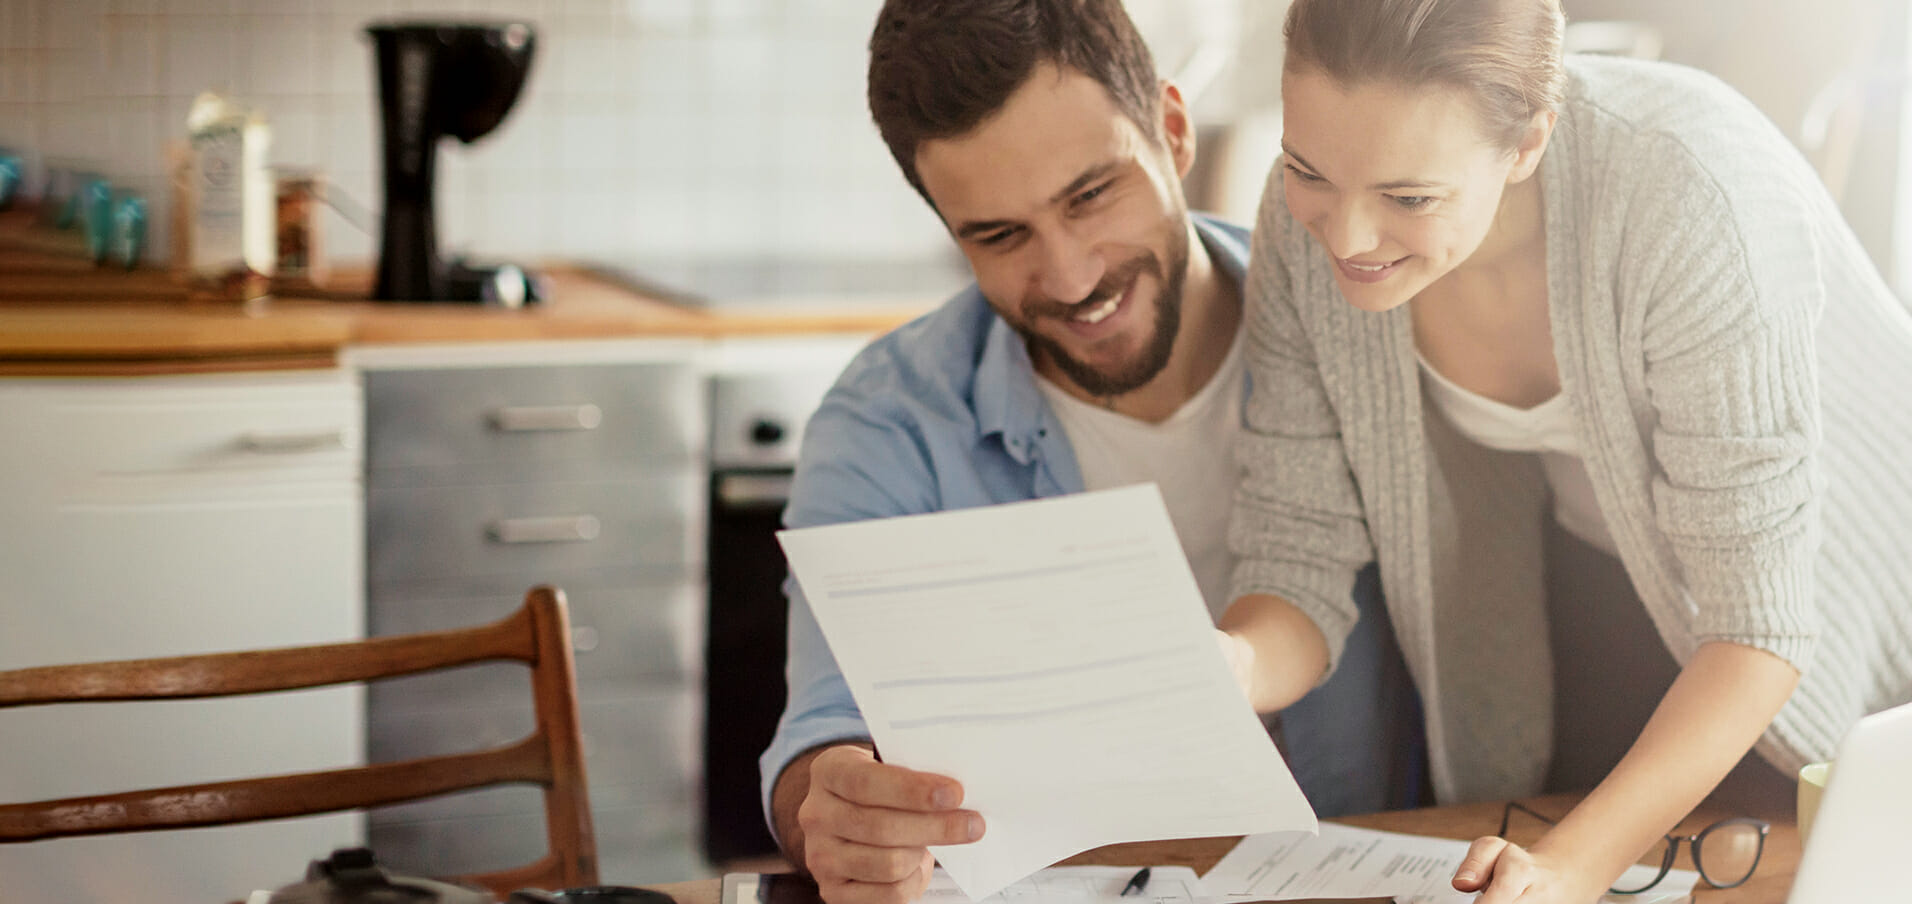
(1725, 852)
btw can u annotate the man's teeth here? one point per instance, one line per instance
(1100, 312)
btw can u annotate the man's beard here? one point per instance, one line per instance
(1136, 372)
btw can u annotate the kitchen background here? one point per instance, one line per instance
(666, 130)
(729, 132)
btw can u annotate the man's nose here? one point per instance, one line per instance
(1070, 268)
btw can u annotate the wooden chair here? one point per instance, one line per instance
(538, 634)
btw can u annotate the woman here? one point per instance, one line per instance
(1513, 317)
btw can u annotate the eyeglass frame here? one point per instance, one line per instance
(1672, 846)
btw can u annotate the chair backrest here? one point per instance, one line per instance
(538, 635)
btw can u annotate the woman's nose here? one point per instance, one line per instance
(1349, 231)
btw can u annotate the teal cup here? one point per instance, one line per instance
(95, 211)
(128, 242)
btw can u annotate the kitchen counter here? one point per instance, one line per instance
(59, 316)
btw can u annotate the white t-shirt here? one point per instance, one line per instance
(1546, 428)
(1190, 456)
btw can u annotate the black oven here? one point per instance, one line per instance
(756, 424)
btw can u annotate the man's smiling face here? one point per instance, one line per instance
(1073, 220)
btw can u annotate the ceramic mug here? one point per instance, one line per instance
(1812, 786)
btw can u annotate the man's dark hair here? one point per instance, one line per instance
(938, 68)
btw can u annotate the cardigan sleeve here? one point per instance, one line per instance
(1730, 275)
(1297, 530)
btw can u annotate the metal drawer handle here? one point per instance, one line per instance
(280, 443)
(565, 529)
(546, 418)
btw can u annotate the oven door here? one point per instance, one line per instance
(744, 655)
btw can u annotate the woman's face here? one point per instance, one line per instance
(1397, 182)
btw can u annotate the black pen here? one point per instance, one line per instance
(1137, 882)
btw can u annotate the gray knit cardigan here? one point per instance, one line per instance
(1741, 382)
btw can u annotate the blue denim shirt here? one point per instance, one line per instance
(944, 414)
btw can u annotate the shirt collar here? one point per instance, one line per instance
(1006, 398)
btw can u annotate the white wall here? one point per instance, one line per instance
(649, 129)
(659, 128)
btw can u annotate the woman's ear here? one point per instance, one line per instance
(1533, 145)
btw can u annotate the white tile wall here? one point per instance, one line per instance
(649, 129)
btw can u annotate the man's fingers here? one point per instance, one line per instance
(835, 818)
(902, 891)
(853, 774)
(1477, 868)
(854, 862)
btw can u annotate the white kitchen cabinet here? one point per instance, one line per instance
(158, 516)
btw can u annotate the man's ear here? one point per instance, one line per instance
(1178, 130)
(1533, 146)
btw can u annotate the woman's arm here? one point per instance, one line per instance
(1275, 650)
(1717, 707)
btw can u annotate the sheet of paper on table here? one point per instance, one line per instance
(1346, 862)
(1073, 884)
(1057, 659)
(1098, 884)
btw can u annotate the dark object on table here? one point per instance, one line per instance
(597, 894)
(438, 79)
(353, 876)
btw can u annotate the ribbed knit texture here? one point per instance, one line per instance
(1742, 387)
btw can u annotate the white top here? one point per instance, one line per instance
(1190, 456)
(1546, 428)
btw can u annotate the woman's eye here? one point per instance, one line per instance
(1412, 202)
(1300, 173)
(1092, 194)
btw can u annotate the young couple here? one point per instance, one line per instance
(1526, 445)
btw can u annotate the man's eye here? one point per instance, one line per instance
(995, 238)
(1092, 194)
(1412, 202)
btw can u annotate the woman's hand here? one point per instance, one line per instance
(1505, 872)
(1240, 655)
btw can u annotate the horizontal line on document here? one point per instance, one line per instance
(1030, 714)
(982, 578)
(1127, 659)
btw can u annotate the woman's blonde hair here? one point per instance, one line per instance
(1505, 54)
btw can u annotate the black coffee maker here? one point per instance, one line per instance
(437, 79)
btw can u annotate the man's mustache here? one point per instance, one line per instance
(1112, 284)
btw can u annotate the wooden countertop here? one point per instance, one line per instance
(59, 315)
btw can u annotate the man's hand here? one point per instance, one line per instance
(866, 826)
(1506, 873)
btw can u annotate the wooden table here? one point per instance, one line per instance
(1769, 884)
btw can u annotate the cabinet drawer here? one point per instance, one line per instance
(536, 416)
(539, 530)
(99, 436)
(621, 635)
(646, 740)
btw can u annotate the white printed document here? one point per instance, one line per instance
(1056, 658)
(1346, 862)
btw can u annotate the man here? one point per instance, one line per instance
(1099, 347)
